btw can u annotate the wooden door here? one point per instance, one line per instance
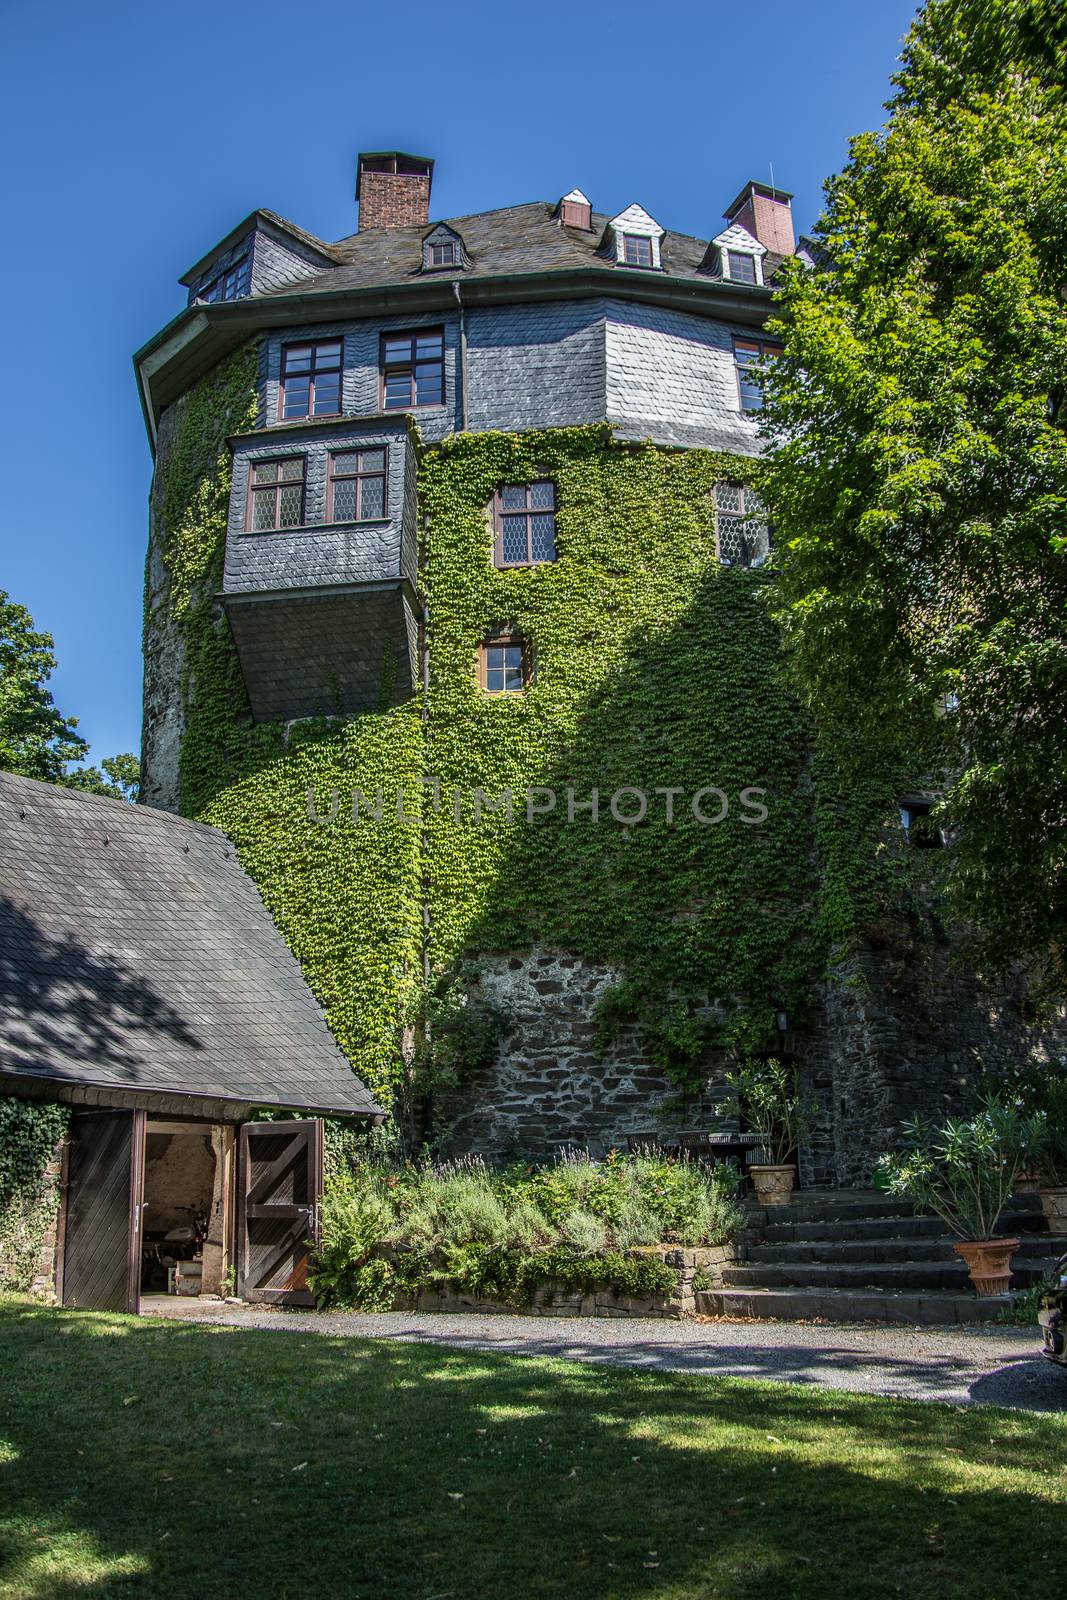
(280, 1188)
(101, 1264)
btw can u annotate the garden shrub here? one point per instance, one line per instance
(393, 1231)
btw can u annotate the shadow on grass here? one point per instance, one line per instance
(163, 1459)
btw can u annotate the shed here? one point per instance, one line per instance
(143, 982)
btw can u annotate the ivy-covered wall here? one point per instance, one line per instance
(656, 669)
(30, 1135)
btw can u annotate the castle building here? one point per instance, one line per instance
(460, 623)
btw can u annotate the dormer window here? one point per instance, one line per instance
(636, 250)
(632, 239)
(741, 266)
(233, 284)
(442, 249)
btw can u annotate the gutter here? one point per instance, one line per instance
(462, 357)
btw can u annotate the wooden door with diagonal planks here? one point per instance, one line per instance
(101, 1266)
(281, 1183)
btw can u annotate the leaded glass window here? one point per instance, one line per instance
(311, 380)
(525, 518)
(356, 485)
(413, 369)
(276, 495)
(743, 532)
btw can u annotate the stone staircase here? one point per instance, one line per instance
(854, 1256)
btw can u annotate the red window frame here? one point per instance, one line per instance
(319, 365)
(359, 477)
(393, 370)
(527, 511)
(637, 240)
(264, 488)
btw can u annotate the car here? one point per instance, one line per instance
(1052, 1313)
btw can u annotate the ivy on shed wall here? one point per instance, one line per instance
(30, 1134)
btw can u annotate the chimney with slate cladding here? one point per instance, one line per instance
(767, 214)
(393, 189)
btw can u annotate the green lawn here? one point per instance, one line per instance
(151, 1458)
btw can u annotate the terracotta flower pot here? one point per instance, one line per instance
(1054, 1205)
(773, 1185)
(988, 1262)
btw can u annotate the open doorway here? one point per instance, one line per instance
(186, 1218)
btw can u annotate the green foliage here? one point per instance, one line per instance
(389, 1231)
(766, 1096)
(30, 1130)
(344, 896)
(495, 1272)
(656, 668)
(1038, 1089)
(963, 1172)
(36, 740)
(919, 476)
(119, 780)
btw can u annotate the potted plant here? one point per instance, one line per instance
(964, 1172)
(767, 1098)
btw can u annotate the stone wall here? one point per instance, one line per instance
(550, 1085)
(696, 1269)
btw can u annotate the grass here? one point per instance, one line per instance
(153, 1458)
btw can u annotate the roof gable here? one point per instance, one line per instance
(136, 956)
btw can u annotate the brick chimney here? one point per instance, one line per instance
(393, 189)
(766, 212)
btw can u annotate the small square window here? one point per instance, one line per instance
(311, 380)
(442, 253)
(636, 250)
(505, 664)
(916, 818)
(356, 486)
(412, 369)
(524, 518)
(275, 495)
(741, 265)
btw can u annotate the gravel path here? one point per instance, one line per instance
(960, 1366)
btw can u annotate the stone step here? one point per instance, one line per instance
(843, 1305)
(1015, 1221)
(1045, 1247)
(922, 1276)
(854, 1205)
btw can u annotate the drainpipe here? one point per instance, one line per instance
(462, 354)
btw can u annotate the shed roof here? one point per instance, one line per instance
(138, 965)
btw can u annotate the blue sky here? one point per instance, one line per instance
(136, 135)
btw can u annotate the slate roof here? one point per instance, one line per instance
(514, 239)
(137, 956)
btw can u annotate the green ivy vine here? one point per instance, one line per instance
(656, 668)
(30, 1131)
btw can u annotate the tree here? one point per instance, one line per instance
(35, 738)
(120, 778)
(918, 478)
